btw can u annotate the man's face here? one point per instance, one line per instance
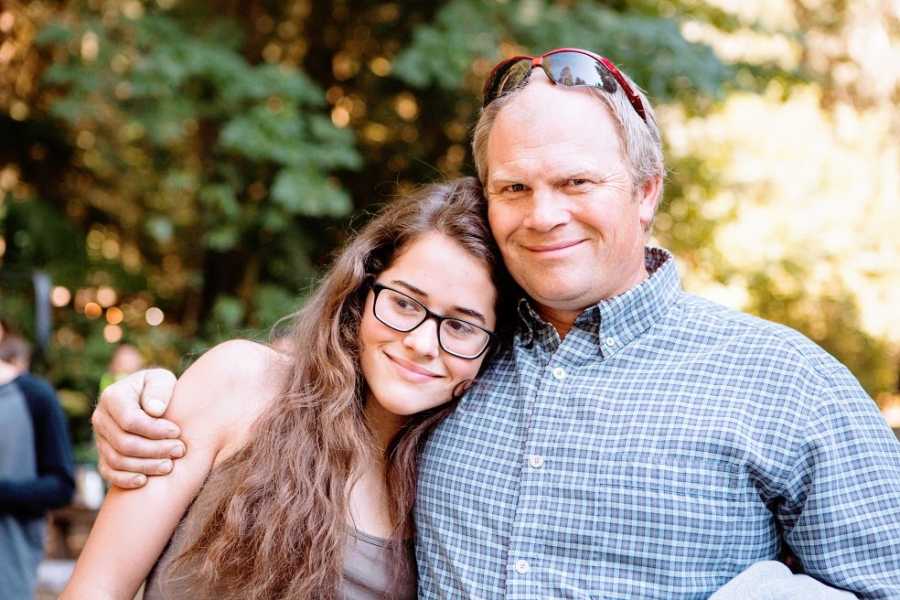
(561, 204)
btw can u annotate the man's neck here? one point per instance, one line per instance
(562, 320)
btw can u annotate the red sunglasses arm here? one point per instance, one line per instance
(632, 97)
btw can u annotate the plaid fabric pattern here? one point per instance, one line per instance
(663, 446)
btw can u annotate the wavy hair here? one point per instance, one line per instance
(279, 522)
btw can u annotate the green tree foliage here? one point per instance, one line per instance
(206, 158)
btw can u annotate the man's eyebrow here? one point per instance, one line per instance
(577, 173)
(457, 309)
(501, 177)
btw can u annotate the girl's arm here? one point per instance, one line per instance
(213, 402)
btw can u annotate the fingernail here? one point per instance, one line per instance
(177, 451)
(156, 406)
(172, 432)
(138, 480)
(164, 466)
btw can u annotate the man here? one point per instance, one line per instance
(635, 441)
(35, 467)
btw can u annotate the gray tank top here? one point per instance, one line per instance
(367, 566)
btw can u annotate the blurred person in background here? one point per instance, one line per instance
(15, 352)
(36, 467)
(125, 360)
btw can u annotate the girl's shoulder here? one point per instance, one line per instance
(221, 395)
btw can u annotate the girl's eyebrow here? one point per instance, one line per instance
(458, 309)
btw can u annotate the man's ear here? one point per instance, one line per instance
(648, 199)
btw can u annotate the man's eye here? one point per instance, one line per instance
(577, 181)
(515, 188)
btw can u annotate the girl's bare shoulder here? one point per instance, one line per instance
(227, 388)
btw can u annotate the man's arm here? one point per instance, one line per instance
(131, 440)
(841, 507)
(54, 484)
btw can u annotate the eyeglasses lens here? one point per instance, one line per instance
(574, 68)
(514, 75)
(461, 338)
(398, 311)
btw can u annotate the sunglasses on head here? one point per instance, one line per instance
(564, 66)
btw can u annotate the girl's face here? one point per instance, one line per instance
(410, 372)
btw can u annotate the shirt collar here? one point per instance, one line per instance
(619, 320)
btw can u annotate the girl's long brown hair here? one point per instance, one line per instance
(279, 522)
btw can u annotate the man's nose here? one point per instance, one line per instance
(549, 209)
(423, 339)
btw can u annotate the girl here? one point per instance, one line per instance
(300, 475)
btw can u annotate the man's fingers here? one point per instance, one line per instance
(121, 403)
(158, 388)
(121, 479)
(134, 446)
(158, 465)
(106, 428)
(148, 466)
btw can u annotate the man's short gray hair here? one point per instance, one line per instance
(640, 140)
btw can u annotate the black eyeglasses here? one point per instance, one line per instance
(404, 313)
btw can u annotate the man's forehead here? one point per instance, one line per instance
(560, 128)
(558, 166)
(540, 92)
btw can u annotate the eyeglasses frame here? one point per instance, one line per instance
(538, 61)
(377, 288)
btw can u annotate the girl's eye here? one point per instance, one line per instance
(460, 328)
(403, 303)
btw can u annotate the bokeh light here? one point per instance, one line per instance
(114, 315)
(112, 333)
(60, 296)
(92, 310)
(154, 316)
(106, 296)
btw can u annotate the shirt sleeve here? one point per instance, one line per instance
(841, 508)
(54, 485)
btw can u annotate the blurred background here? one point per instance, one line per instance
(175, 172)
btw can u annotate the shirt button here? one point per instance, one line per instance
(522, 567)
(559, 373)
(611, 342)
(536, 461)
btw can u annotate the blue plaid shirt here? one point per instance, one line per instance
(659, 449)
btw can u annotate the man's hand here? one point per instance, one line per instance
(132, 440)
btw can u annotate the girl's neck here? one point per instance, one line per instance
(383, 424)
